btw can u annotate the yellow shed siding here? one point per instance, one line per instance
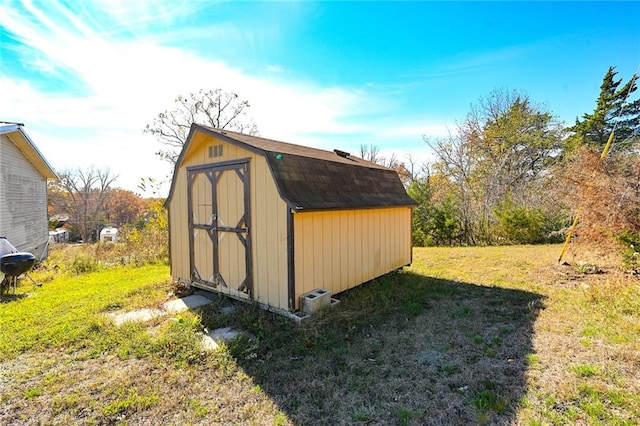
(230, 210)
(334, 249)
(268, 220)
(178, 228)
(338, 250)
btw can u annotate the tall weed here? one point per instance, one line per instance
(180, 340)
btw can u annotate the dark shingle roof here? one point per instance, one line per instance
(315, 179)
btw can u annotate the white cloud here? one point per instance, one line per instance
(126, 82)
(412, 129)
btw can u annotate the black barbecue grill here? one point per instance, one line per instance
(13, 263)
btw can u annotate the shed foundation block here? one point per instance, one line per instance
(315, 300)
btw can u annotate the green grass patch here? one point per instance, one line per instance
(361, 416)
(199, 409)
(280, 419)
(405, 416)
(33, 392)
(68, 312)
(180, 340)
(584, 370)
(599, 405)
(488, 400)
(130, 402)
(450, 369)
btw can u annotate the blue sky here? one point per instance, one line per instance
(86, 77)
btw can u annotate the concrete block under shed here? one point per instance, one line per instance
(314, 300)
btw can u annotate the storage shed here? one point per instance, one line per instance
(269, 221)
(23, 191)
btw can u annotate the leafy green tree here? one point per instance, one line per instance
(436, 219)
(147, 241)
(444, 227)
(519, 224)
(614, 110)
(504, 148)
(420, 191)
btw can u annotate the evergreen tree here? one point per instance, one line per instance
(614, 110)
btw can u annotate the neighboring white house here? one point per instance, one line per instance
(60, 235)
(109, 234)
(23, 191)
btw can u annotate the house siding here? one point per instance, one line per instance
(23, 191)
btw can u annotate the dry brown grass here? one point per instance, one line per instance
(60, 389)
(496, 335)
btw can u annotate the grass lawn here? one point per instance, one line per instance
(495, 335)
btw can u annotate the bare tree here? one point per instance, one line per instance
(413, 170)
(372, 153)
(513, 140)
(216, 108)
(456, 163)
(81, 195)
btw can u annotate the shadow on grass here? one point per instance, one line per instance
(13, 297)
(403, 349)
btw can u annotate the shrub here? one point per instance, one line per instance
(520, 224)
(84, 264)
(606, 195)
(180, 340)
(148, 242)
(631, 250)
(145, 243)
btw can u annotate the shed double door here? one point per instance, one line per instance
(219, 231)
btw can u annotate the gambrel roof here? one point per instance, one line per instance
(315, 179)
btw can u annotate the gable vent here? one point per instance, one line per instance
(342, 154)
(215, 151)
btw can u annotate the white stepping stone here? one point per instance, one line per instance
(141, 315)
(212, 340)
(186, 303)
